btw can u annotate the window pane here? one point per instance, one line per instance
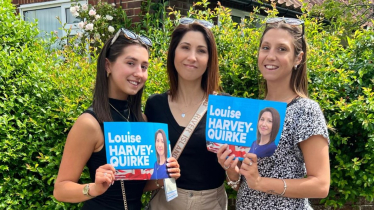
(70, 19)
(47, 20)
(236, 19)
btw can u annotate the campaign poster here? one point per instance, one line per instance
(137, 150)
(246, 125)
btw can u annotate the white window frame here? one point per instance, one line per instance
(63, 4)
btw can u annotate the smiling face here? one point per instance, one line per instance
(160, 145)
(265, 124)
(276, 57)
(191, 56)
(128, 72)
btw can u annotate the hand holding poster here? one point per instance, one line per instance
(246, 125)
(137, 150)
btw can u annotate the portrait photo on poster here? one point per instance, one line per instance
(246, 125)
(267, 130)
(162, 151)
(137, 150)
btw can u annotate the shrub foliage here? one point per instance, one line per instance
(43, 91)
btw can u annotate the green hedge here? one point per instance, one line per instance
(43, 91)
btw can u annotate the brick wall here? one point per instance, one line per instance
(131, 7)
(19, 2)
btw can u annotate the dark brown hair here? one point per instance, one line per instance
(299, 77)
(101, 92)
(275, 124)
(165, 145)
(210, 79)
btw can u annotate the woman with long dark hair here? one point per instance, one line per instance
(192, 68)
(121, 74)
(299, 168)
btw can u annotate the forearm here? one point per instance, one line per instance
(310, 187)
(151, 185)
(71, 192)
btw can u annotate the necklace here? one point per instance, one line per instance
(183, 114)
(128, 117)
(255, 147)
(122, 184)
(158, 167)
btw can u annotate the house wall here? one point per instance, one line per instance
(183, 6)
(132, 7)
(19, 2)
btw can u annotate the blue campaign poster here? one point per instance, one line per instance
(137, 150)
(246, 125)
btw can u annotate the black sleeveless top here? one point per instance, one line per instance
(201, 170)
(113, 198)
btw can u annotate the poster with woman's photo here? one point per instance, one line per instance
(137, 150)
(246, 125)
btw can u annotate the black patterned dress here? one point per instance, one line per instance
(304, 119)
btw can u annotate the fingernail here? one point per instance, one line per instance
(230, 150)
(168, 164)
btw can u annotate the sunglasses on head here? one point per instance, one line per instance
(205, 23)
(132, 35)
(290, 21)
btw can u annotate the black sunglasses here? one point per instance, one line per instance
(132, 35)
(290, 21)
(205, 23)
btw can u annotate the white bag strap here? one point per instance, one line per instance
(186, 134)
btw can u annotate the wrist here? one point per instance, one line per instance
(233, 176)
(93, 192)
(87, 190)
(284, 188)
(233, 182)
(259, 185)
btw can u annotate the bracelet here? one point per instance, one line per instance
(233, 184)
(284, 187)
(158, 186)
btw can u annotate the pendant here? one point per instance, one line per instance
(183, 115)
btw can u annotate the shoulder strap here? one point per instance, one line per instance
(187, 132)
